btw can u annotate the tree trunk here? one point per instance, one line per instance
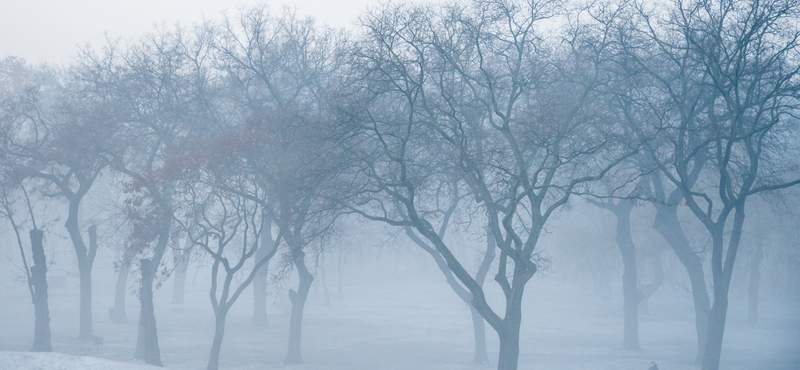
(630, 290)
(85, 259)
(41, 336)
(117, 313)
(322, 279)
(651, 287)
(216, 345)
(147, 343)
(752, 291)
(260, 296)
(298, 300)
(181, 266)
(716, 330)
(339, 274)
(86, 331)
(479, 331)
(266, 247)
(147, 340)
(667, 224)
(509, 336)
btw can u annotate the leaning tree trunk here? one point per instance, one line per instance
(298, 300)
(667, 224)
(147, 344)
(41, 333)
(478, 322)
(117, 313)
(752, 290)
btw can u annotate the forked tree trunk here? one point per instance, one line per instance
(147, 344)
(752, 289)
(298, 300)
(667, 224)
(41, 333)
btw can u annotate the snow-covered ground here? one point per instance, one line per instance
(61, 361)
(405, 319)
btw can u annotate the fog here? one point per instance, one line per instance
(423, 185)
(395, 310)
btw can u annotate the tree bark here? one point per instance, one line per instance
(667, 224)
(752, 289)
(181, 266)
(147, 340)
(260, 296)
(631, 293)
(339, 274)
(322, 279)
(216, 345)
(298, 300)
(267, 246)
(85, 257)
(651, 287)
(147, 343)
(509, 335)
(117, 313)
(41, 336)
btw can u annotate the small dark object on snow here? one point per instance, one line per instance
(98, 341)
(653, 366)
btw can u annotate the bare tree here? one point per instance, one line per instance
(279, 67)
(475, 89)
(61, 134)
(727, 72)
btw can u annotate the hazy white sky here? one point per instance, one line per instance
(51, 30)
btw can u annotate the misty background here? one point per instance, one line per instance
(404, 185)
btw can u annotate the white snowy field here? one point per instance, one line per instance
(399, 320)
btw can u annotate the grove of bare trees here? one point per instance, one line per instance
(241, 142)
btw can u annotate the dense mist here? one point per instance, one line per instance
(480, 185)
